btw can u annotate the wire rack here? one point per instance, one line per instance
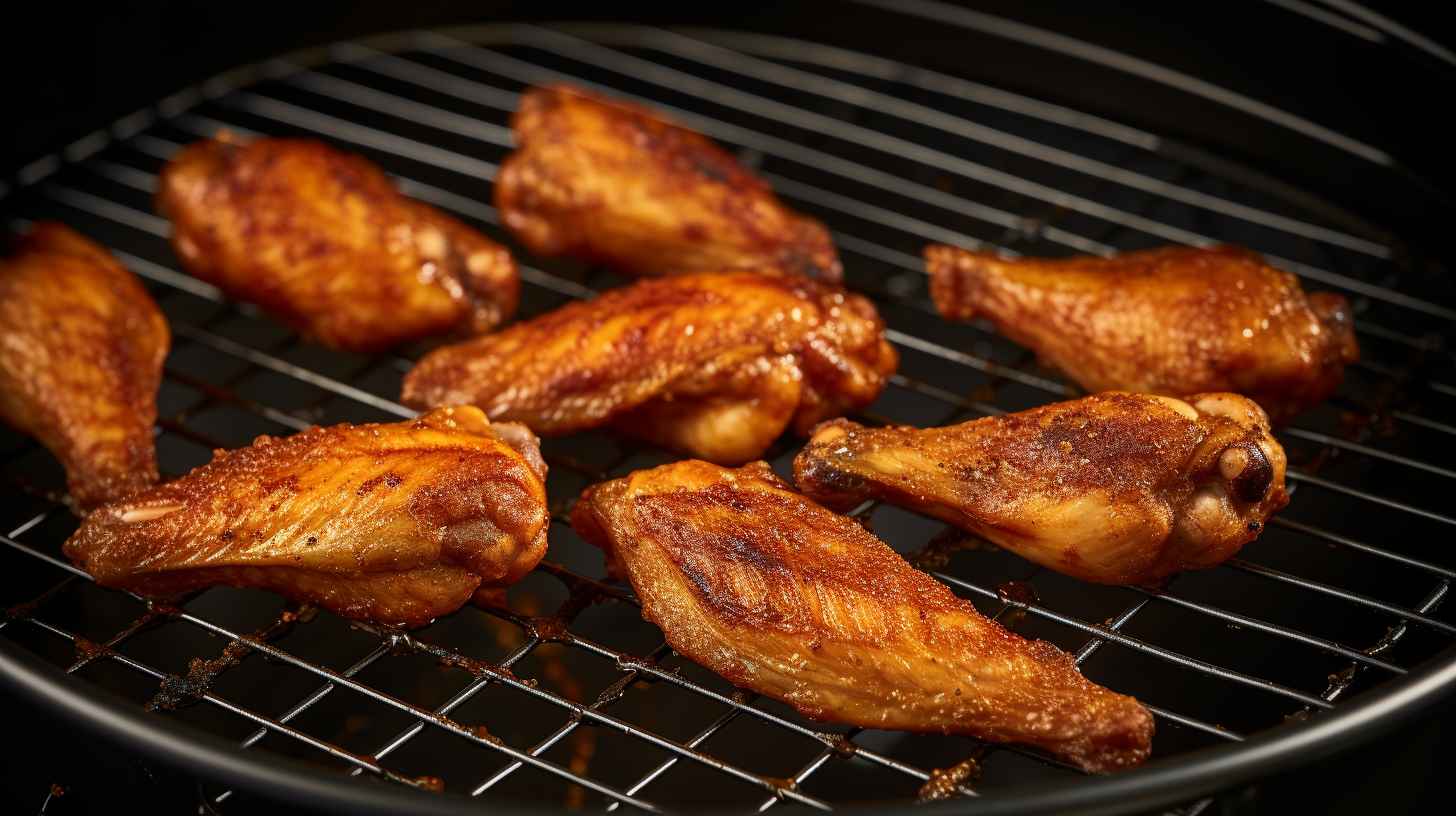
(570, 699)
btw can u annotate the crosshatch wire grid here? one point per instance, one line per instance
(569, 698)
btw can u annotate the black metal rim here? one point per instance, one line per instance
(1159, 785)
(1163, 783)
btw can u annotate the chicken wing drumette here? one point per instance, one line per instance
(396, 523)
(1113, 488)
(324, 241)
(779, 595)
(1173, 321)
(613, 183)
(715, 364)
(81, 350)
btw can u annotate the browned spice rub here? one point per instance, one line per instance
(323, 241)
(81, 351)
(1176, 321)
(782, 596)
(715, 364)
(393, 523)
(612, 183)
(1113, 488)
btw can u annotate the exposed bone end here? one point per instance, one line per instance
(465, 418)
(1238, 481)
(1183, 408)
(1232, 462)
(136, 515)
(1232, 406)
(827, 433)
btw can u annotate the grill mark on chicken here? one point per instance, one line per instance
(783, 597)
(323, 240)
(1174, 321)
(613, 183)
(395, 523)
(1113, 488)
(81, 352)
(715, 364)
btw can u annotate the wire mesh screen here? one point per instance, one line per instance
(569, 698)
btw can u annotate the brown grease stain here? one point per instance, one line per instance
(1017, 597)
(842, 746)
(483, 733)
(88, 650)
(180, 691)
(943, 782)
(937, 552)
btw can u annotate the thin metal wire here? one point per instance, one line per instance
(1330, 19)
(1099, 55)
(344, 389)
(594, 54)
(339, 90)
(788, 77)
(292, 114)
(434, 79)
(520, 70)
(127, 216)
(492, 97)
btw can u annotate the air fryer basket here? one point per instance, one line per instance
(1324, 632)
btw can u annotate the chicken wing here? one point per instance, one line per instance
(715, 364)
(396, 523)
(781, 596)
(612, 183)
(1113, 488)
(1173, 321)
(81, 350)
(322, 240)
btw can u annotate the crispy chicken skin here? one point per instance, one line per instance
(1174, 321)
(81, 350)
(715, 364)
(322, 240)
(1114, 488)
(781, 596)
(395, 523)
(612, 183)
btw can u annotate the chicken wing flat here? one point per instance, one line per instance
(1113, 488)
(395, 523)
(1173, 321)
(81, 350)
(323, 241)
(612, 183)
(781, 596)
(715, 364)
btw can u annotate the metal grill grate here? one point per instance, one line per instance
(586, 705)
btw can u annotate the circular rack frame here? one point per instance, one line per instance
(1164, 782)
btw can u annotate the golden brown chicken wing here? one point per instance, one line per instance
(1173, 321)
(396, 523)
(781, 596)
(81, 350)
(1114, 488)
(717, 365)
(322, 240)
(612, 183)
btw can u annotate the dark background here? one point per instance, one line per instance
(68, 69)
